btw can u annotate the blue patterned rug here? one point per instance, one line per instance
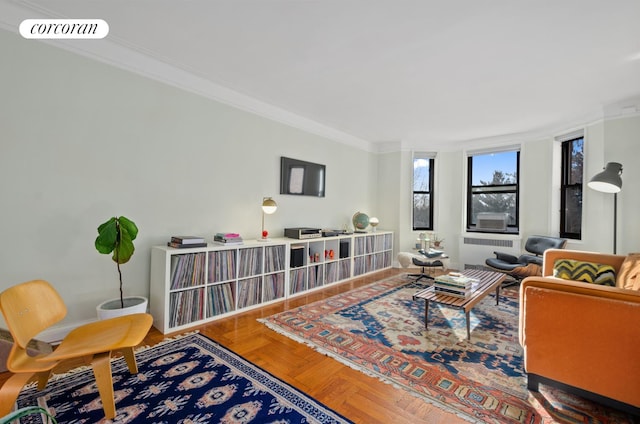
(186, 380)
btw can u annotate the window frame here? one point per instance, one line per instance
(497, 189)
(566, 155)
(430, 192)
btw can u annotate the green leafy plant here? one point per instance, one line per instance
(116, 236)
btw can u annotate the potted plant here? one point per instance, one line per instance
(436, 241)
(116, 236)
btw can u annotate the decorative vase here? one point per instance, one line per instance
(112, 308)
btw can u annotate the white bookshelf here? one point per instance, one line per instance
(323, 262)
(193, 286)
(372, 252)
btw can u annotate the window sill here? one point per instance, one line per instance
(507, 232)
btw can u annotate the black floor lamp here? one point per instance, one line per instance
(609, 181)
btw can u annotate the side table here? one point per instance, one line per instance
(488, 281)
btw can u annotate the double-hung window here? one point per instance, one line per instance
(423, 191)
(493, 191)
(571, 188)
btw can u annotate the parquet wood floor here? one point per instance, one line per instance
(355, 395)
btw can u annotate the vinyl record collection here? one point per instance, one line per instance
(232, 279)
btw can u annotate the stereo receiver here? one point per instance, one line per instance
(302, 233)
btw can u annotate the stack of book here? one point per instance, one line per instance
(227, 238)
(182, 242)
(454, 284)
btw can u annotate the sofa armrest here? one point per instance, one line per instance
(583, 335)
(551, 255)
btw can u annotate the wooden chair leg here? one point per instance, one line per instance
(102, 371)
(10, 391)
(43, 379)
(130, 357)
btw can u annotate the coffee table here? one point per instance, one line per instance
(488, 281)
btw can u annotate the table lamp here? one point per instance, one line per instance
(269, 206)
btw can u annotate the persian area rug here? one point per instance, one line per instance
(378, 329)
(186, 380)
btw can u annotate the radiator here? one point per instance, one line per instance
(474, 250)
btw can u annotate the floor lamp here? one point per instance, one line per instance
(610, 181)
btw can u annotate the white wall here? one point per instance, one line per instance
(596, 212)
(82, 141)
(613, 139)
(393, 203)
(623, 145)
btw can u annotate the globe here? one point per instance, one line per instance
(360, 221)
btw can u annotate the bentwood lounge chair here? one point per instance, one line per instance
(34, 306)
(529, 263)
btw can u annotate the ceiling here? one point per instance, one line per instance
(422, 73)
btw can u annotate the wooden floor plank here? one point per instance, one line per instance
(359, 397)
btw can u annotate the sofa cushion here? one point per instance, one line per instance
(588, 272)
(629, 275)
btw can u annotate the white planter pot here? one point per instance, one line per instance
(132, 305)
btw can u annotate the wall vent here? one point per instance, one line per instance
(474, 251)
(488, 242)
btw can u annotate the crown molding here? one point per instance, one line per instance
(126, 56)
(119, 54)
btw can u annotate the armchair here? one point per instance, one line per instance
(31, 307)
(529, 263)
(584, 337)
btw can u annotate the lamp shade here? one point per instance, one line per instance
(609, 180)
(269, 205)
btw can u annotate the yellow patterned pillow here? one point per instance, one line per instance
(588, 272)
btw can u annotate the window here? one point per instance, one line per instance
(492, 187)
(571, 188)
(423, 192)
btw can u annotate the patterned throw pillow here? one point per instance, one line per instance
(588, 272)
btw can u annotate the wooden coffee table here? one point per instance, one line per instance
(488, 281)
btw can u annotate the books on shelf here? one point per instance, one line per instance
(227, 238)
(185, 246)
(454, 284)
(186, 242)
(187, 239)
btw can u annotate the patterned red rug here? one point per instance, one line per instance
(379, 330)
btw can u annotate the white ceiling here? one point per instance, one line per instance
(421, 72)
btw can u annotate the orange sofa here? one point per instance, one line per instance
(583, 337)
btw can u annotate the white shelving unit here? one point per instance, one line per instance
(372, 252)
(192, 286)
(323, 261)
